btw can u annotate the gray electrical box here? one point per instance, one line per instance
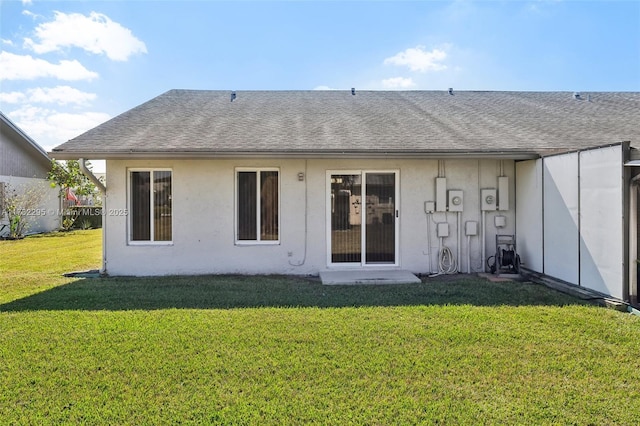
(443, 230)
(456, 198)
(488, 199)
(441, 194)
(503, 193)
(471, 228)
(429, 206)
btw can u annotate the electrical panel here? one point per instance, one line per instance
(443, 230)
(441, 194)
(500, 221)
(429, 206)
(488, 199)
(471, 228)
(456, 199)
(503, 193)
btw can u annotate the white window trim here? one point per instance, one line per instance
(151, 208)
(257, 241)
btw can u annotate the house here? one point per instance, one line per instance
(23, 167)
(301, 182)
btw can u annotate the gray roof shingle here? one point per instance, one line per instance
(193, 122)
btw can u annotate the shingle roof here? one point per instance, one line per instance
(192, 122)
(40, 153)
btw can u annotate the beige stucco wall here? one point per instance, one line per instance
(203, 216)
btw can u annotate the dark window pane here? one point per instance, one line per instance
(140, 205)
(162, 206)
(269, 206)
(380, 218)
(247, 206)
(346, 207)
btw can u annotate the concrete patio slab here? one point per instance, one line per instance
(500, 277)
(368, 277)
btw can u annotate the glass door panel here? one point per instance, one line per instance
(363, 223)
(380, 218)
(346, 222)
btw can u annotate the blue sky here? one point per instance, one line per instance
(68, 66)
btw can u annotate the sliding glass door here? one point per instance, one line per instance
(363, 217)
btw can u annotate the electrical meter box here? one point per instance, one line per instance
(456, 199)
(488, 199)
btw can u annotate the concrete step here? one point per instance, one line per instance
(368, 277)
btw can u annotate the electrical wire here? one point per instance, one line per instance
(446, 260)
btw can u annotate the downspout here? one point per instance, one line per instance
(103, 189)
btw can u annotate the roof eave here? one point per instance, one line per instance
(122, 155)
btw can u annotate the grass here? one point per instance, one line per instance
(38, 262)
(274, 350)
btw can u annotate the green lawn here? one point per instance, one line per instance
(275, 350)
(38, 262)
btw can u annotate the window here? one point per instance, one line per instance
(150, 206)
(257, 205)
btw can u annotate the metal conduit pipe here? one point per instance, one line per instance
(484, 240)
(468, 254)
(459, 248)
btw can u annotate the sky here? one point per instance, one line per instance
(68, 66)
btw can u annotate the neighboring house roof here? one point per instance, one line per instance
(24, 145)
(207, 123)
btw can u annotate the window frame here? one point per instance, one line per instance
(151, 241)
(236, 228)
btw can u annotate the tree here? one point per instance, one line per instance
(68, 176)
(20, 205)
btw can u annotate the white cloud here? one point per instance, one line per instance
(50, 127)
(27, 2)
(25, 67)
(7, 42)
(397, 83)
(417, 59)
(95, 33)
(61, 95)
(323, 88)
(12, 97)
